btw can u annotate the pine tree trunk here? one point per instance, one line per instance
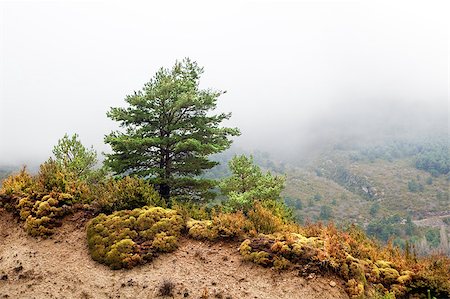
(164, 191)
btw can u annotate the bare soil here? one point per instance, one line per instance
(60, 267)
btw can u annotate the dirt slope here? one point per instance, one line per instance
(60, 267)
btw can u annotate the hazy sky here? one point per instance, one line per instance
(292, 69)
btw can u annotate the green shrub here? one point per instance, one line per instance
(326, 212)
(414, 186)
(125, 194)
(192, 210)
(125, 239)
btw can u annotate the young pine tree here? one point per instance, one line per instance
(169, 132)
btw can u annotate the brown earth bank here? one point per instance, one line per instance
(60, 267)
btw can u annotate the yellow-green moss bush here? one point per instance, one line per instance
(42, 213)
(223, 226)
(127, 238)
(15, 187)
(236, 225)
(282, 250)
(331, 250)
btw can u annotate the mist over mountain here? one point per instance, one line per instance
(298, 75)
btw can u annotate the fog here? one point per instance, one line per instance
(298, 74)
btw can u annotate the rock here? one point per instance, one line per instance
(332, 283)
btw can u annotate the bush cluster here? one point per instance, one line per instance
(236, 225)
(125, 239)
(41, 201)
(124, 194)
(42, 213)
(368, 269)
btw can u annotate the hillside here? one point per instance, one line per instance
(61, 267)
(390, 198)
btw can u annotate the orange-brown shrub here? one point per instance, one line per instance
(350, 254)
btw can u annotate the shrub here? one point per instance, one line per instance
(125, 239)
(166, 288)
(353, 257)
(125, 194)
(43, 200)
(17, 184)
(42, 213)
(193, 210)
(414, 186)
(72, 156)
(264, 220)
(237, 225)
(281, 251)
(53, 177)
(223, 226)
(326, 212)
(374, 208)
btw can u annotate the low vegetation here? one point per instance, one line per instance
(131, 222)
(138, 226)
(369, 270)
(125, 239)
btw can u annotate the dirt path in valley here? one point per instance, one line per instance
(60, 267)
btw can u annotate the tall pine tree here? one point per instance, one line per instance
(169, 132)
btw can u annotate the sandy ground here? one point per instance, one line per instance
(60, 267)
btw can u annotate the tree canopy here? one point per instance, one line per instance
(248, 184)
(74, 157)
(169, 132)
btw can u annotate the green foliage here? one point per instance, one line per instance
(170, 132)
(383, 229)
(74, 158)
(317, 197)
(248, 184)
(326, 212)
(126, 194)
(414, 186)
(374, 208)
(189, 209)
(433, 237)
(265, 220)
(294, 203)
(389, 152)
(125, 239)
(410, 228)
(435, 158)
(53, 177)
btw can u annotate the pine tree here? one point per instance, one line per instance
(170, 131)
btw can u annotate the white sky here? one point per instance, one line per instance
(285, 64)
